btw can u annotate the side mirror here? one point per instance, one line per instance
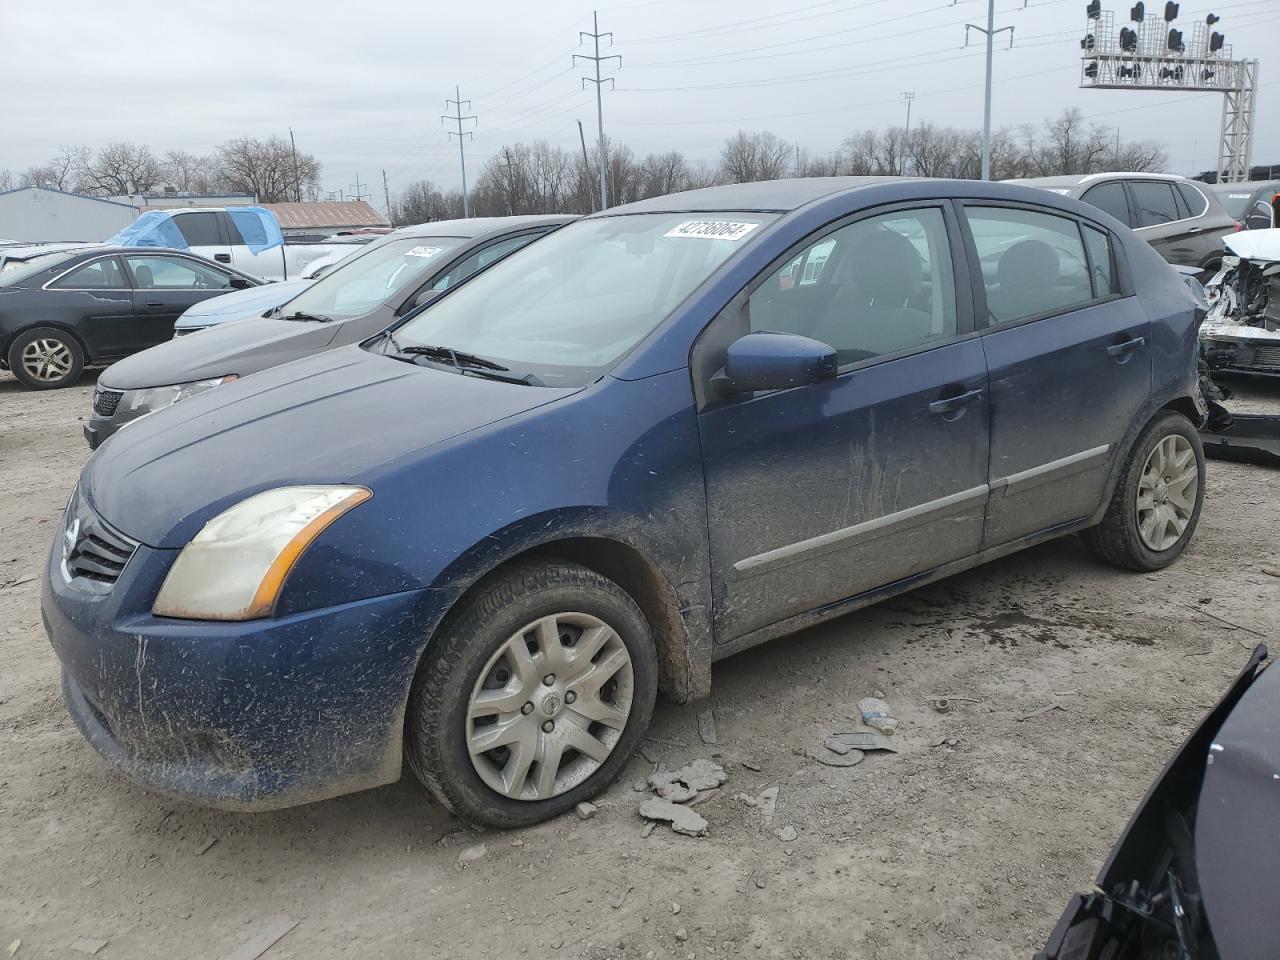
(239, 283)
(774, 361)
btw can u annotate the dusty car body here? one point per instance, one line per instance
(1193, 876)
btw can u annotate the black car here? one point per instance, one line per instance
(1193, 876)
(64, 309)
(1254, 205)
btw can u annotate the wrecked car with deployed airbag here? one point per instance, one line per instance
(1241, 333)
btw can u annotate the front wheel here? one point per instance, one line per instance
(532, 696)
(1156, 504)
(46, 358)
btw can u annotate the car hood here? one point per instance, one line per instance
(330, 418)
(242, 347)
(253, 302)
(1261, 245)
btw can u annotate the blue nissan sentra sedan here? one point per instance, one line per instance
(486, 538)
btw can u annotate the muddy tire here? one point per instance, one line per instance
(46, 358)
(532, 696)
(1156, 504)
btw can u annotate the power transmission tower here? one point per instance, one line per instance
(461, 134)
(599, 81)
(386, 194)
(907, 97)
(359, 194)
(990, 31)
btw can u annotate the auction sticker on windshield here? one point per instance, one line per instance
(712, 229)
(423, 251)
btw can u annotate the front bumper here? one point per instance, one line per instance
(242, 716)
(99, 427)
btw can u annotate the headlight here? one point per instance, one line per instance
(150, 400)
(234, 568)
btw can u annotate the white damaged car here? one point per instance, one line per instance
(1241, 333)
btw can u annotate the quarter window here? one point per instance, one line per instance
(1101, 263)
(877, 286)
(1110, 198)
(199, 229)
(98, 275)
(1155, 202)
(174, 273)
(1033, 264)
(1193, 198)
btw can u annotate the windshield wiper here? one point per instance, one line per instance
(313, 317)
(458, 358)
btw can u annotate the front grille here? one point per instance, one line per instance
(1267, 356)
(93, 554)
(106, 401)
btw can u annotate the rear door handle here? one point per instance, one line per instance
(1119, 350)
(154, 303)
(952, 404)
(222, 257)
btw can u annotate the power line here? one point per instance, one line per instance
(596, 35)
(462, 135)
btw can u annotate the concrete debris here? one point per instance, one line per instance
(682, 934)
(13, 948)
(787, 834)
(766, 802)
(876, 713)
(752, 765)
(586, 810)
(472, 854)
(681, 786)
(87, 946)
(204, 847)
(682, 819)
(675, 909)
(864, 740)
(851, 758)
(648, 829)
(671, 789)
(707, 726)
(761, 881)
(90, 882)
(1271, 571)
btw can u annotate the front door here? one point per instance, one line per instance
(166, 285)
(1067, 346)
(100, 291)
(825, 491)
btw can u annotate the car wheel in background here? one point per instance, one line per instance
(533, 695)
(45, 358)
(1156, 504)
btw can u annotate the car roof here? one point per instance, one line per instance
(1249, 186)
(473, 228)
(1080, 179)
(778, 196)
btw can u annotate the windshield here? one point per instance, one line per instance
(567, 308)
(1235, 202)
(379, 273)
(15, 271)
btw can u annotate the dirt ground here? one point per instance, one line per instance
(941, 851)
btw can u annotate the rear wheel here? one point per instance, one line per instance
(46, 358)
(533, 696)
(1156, 504)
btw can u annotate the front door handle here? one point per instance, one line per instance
(951, 404)
(1121, 351)
(154, 303)
(222, 257)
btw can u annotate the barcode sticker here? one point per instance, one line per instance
(423, 251)
(712, 229)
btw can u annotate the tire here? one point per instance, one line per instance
(1145, 543)
(46, 358)
(466, 660)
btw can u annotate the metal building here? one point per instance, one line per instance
(39, 214)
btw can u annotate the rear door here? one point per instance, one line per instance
(1067, 349)
(204, 233)
(1164, 221)
(165, 285)
(98, 290)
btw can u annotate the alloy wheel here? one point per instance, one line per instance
(1167, 492)
(550, 706)
(47, 359)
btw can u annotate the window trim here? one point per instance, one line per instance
(431, 280)
(979, 287)
(731, 321)
(129, 286)
(198, 261)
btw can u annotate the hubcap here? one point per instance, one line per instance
(550, 706)
(1167, 492)
(46, 359)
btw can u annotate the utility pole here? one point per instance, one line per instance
(508, 189)
(586, 164)
(907, 97)
(359, 193)
(990, 32)
(595, 35)
(297, 181)
(458, 118)
(386, 194)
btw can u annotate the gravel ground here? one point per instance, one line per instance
(958, 849)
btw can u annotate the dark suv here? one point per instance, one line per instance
(1177, 216)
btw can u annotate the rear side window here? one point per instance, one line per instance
(1033, 264)
(1101, 263)
(1193, 198)
(98, 275)
(1155, 202)
(1110, 198)
(199, 229)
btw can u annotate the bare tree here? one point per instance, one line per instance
(267, 168)
(747, 157)
(422, 202)
(663, 173)
(859, 153)
(7, 180)
(190, 172)
(122, 168)
(62, 172)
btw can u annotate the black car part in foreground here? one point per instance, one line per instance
(1194, 875)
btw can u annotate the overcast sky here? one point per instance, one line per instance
(363, 84)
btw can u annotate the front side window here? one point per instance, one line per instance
(877, 286)
(1033, 264)
(99, 275)
(564, 310)
(481, 259)
(199, 229)
(382, 272)
(1155, 202)
(176, 273)
(1109, 198)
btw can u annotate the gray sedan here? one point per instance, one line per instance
(365, 294)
